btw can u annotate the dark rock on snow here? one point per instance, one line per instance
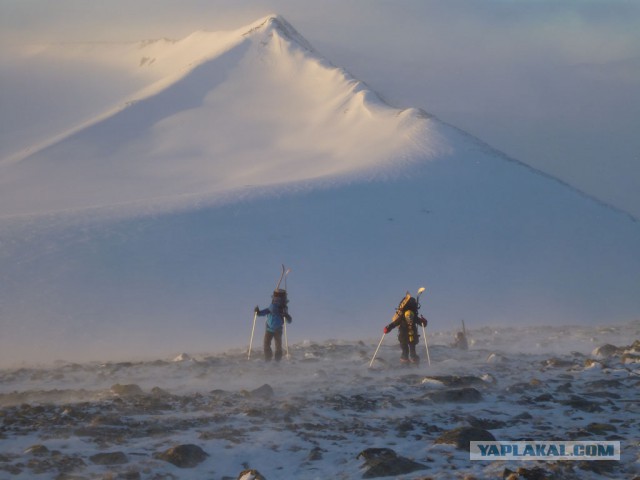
(484, 423)
(64, 464)
(535, 473)
(601, 467)
(580, 403)
(250, 475)
(37, 450)
(626, 353)
(606, 351)
(557, 363)
(111, 458)
(384, 462)
(265, 392)
(455, 395)
(315, 454)
(523, 416)
(608, 384)
(524, 387)
(601, 428)
(132, 475)
(130, 390)
(183, 456)
(461, 437)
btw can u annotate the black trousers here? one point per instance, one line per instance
(409, 352)
(268, 353)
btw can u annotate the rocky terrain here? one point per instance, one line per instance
(324, 414)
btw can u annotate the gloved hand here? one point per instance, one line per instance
(386, 330)
(257, 309)
(423, 321)
(288, 318)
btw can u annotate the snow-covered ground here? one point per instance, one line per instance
(310, 416)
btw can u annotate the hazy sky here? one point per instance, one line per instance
(550, 82)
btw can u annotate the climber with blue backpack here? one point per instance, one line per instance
(277, 314)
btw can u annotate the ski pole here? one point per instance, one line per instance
(426, 345)
(255, 315)
(376, 352)
(286, 341)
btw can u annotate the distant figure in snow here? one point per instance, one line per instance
(277, 313)
(460, 342)
(407, 320)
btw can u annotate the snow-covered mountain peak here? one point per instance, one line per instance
(222, 110)
(276, 24)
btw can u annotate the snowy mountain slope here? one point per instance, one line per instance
(103, 77)
(266, 154)
(257, 108)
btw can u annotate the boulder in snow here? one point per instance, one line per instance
(130, 390)
(605, 351)
(109, 458)
(384, 462)
(265, 392)
(455, 395)
(250, 475)
(183, 456)
(462, 437)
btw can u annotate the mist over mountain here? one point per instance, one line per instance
(158, 225)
